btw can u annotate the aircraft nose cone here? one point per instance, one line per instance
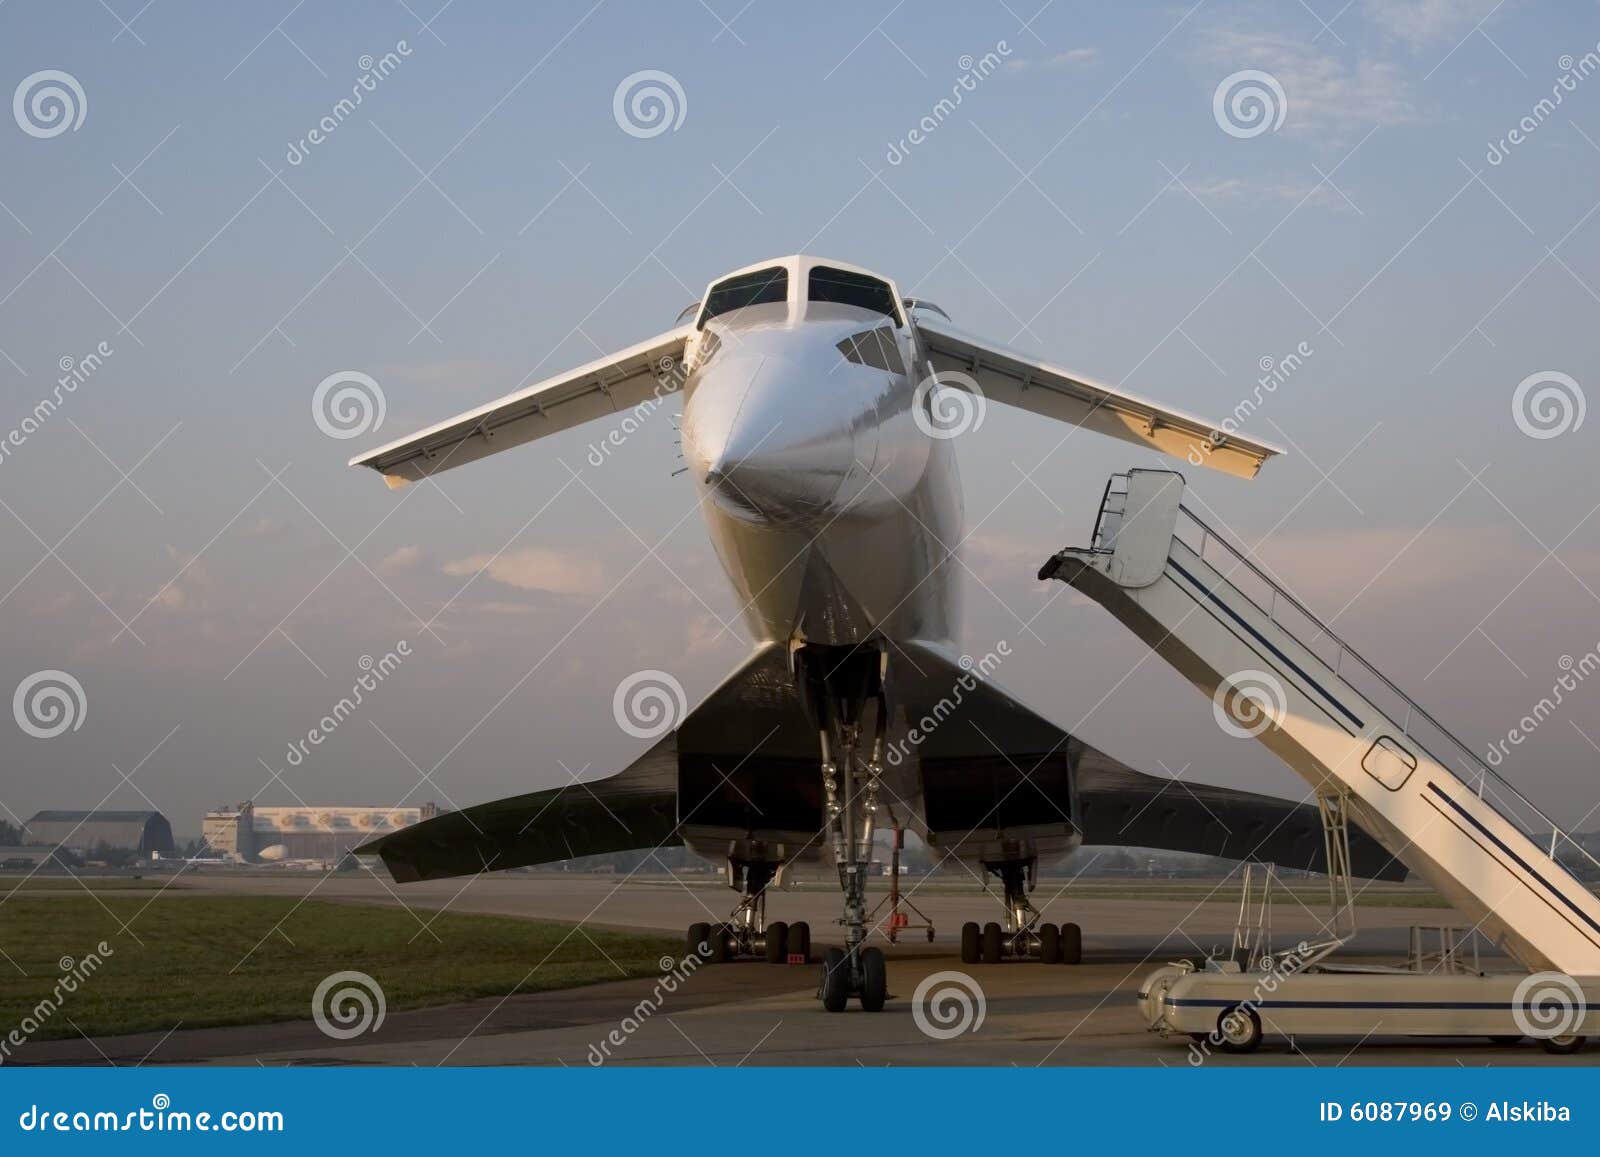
(768, 445)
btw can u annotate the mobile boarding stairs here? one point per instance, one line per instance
(1371, 756)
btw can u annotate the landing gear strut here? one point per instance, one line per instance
(850, 796)
(746, 933)
(1024, 936)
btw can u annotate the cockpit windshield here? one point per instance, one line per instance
(845, 288)
(762, 287)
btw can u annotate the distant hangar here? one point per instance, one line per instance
(145, 832)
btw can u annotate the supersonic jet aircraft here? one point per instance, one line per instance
(816, 403)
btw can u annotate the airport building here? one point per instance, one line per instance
(82, 832)
(250, 833)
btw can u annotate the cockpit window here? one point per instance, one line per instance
(875, 348)
(856, 289)
(763, 287)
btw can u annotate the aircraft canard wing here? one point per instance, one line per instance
(1017, 379)
(608, 385)
(1120, 806)
(636, 808)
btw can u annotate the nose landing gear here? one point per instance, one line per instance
(850, 792)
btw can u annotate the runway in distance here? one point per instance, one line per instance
(818, 407)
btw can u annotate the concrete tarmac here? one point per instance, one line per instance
(753, 1013)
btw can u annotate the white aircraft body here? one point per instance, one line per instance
(818, 408)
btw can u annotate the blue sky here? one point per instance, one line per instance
(482, 220)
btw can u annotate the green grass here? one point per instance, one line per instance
(248, 959)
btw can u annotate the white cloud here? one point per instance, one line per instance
(1220, 189)
(535, 569)
(400, 560)
(1072, 58)
(1422, 23)
(1325, 93)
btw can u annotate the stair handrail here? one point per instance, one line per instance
(1484, 772)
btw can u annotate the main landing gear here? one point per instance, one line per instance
(1024, 935)
(746, 935)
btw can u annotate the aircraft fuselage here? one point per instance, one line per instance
(833, 509)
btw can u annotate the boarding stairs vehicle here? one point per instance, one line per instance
(1372, 756)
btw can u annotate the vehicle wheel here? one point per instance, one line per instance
(721, 952)
(990, 952)
(699, 934)
(835, 980)
(1505, 1041)
(970, 948)
(1562, 1045)
(1071, 944)
(1240, 1029)
(777, 942)
(1049, 944)
(800, 940)
(874, 980)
